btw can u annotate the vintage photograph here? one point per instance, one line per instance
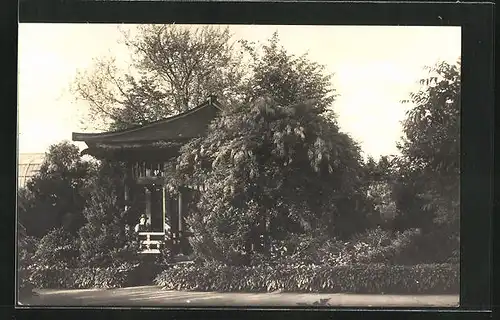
(238, 165)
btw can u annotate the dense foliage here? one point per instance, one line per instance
(372, 246)
(426, 177)
(379, 183)
(25, 250)
(104, 239)
(288, 78)
(274, 165)
(100, 253)
(57, 249)
(427, 185)
(116, 276)
(354, 278)
(56, 196)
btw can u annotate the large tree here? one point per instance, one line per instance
(429, 172)
(56, 196)
(174, 68)
(275, 164)
(286, 77)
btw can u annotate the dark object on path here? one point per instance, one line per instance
(320, 303)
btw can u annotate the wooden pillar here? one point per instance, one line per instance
(180, 241)
(126, 197)
(147, 193)
(126, 187)
(180, 211)
(164, 204)
(137, 170)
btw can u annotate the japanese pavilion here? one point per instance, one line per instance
(146, 151)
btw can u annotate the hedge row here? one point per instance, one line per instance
(375, 279)
(93, 277)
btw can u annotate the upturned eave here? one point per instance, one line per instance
(184, 126)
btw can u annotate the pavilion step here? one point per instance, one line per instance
(150, 251)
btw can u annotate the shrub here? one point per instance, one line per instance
(375, 237)
(412, 246)
(85, 277)
(57, 249)
(295, 248)
(26, 249)
(373, 246)
(104, 238)
(394, 251)
(359, 278)
(165, 256)
(120, 274)
(438, 246)
(56, 195)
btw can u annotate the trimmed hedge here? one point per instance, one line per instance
(82, 278)
(360, 278)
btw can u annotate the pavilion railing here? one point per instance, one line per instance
(151, 242)
(146, 169)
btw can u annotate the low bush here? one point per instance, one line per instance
(26, 250)
(358, 278)
(57, 249)
(373, 246)
(392, 251)
(39, 258)
(438, 246)
(84, 277)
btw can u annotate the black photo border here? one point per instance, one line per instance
(477, 124)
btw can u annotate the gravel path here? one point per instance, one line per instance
(152, 296)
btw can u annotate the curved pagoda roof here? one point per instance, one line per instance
(168, 133)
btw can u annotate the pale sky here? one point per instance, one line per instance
(375, 68)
